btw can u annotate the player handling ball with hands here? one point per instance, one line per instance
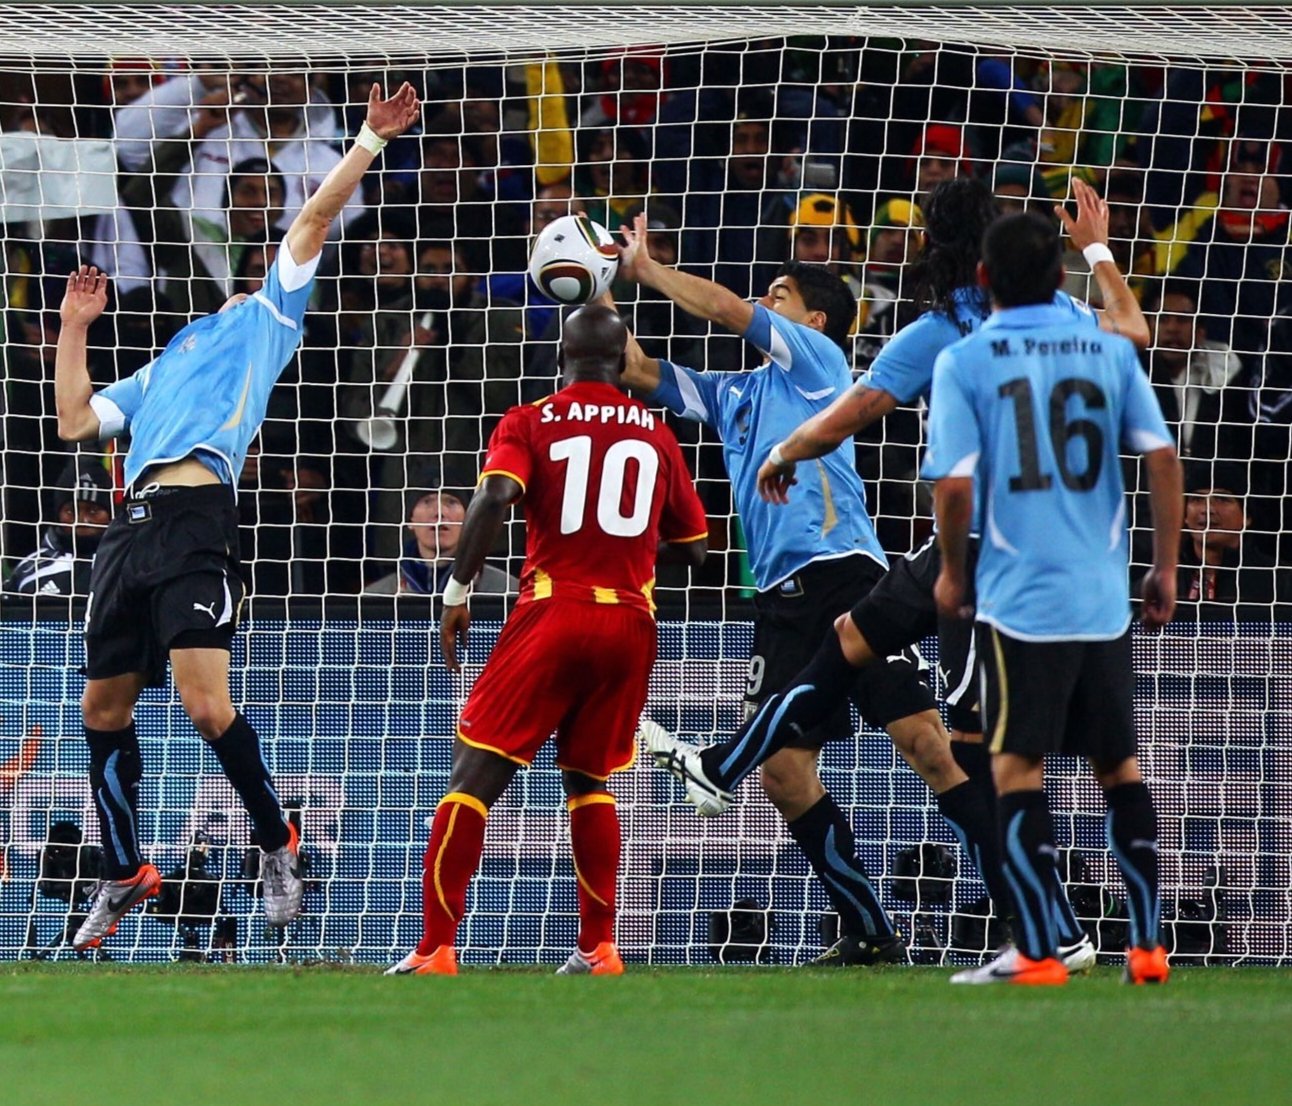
(166, 584)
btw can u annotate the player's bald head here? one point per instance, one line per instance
(593, 341)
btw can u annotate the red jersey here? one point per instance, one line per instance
(604, 484)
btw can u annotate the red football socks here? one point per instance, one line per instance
(594, 834)
(452, 856)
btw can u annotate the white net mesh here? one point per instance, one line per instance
(746, 147)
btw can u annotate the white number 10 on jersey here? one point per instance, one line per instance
(578, 452)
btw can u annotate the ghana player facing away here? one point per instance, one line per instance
(604, 484)
(900, 610)
(166, 583)
(1030, 413)
(811, 564)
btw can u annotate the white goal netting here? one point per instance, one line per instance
(170, 145)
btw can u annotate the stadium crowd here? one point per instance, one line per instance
(741, 158)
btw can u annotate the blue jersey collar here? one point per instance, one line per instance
(1034, 314)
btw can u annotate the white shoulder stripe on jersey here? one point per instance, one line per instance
(965, 466)
(265, 301)
(292, 275)
(112, 420)
(997, 538)
(692, 402)
(1119, 525)
(780, 350)
(1145, 441)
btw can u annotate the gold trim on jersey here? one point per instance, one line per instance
(590, 799)
(1002, 690)
(831, 518)
(466, 800)
(604, 595)
(491, 749)
(502, 472)
(632, 759)
(542, 584)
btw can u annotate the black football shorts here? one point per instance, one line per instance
(899, 611)
(166, 575)
(793, 619)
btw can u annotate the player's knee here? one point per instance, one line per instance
(101, 712)
(211, 714)
(1115, 775)
(855, 648)
(790, 787)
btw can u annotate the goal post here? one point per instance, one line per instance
(170, 144)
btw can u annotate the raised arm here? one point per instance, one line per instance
(694, 295)
(386, 120)
(83, 302)
(1166, 498)
(480, 530)
(641, 372)
(1121, 313)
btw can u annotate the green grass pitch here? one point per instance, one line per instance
(315, 1036)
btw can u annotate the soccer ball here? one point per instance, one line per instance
(574, 260)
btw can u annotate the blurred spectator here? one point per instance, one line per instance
(1222, 573)
(893, 243)
(552, 202)
(198, 276)
(82, 506)
(631, 82)
(1130, 234)
(435, 525)
(455, 204)
(1189, 373)
(939, 154)
(1236, 243)
(467, 373)
(663, 329)
(612, 176)
(1019, 187)
(280, 114)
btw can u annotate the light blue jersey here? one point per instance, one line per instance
(1034, 408)
(904, 367)
(753, 411)
(205, 394)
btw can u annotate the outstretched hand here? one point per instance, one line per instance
(391, 118)
(634, 254)
(85, 298)
(1091, 224)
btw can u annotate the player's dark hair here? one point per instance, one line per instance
(823, 291)
(1024, 259)
(957, 213)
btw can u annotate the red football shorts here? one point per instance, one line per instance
(579, 670)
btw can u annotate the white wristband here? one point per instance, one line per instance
(370, 140)
(778, 459)
(455, 593)
(1095, 253)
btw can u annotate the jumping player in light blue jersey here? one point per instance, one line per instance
(899, 610)
(166, 583)
(811, 564)
(1029, 417)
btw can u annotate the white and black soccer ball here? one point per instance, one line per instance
(574, 260)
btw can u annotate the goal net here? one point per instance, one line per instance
(170, 146)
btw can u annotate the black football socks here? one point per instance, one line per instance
(1132, 836)
(115, 771)
(809, 700)
(972, 818)
(825, 836)
(238, 750)
(1028, 848)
